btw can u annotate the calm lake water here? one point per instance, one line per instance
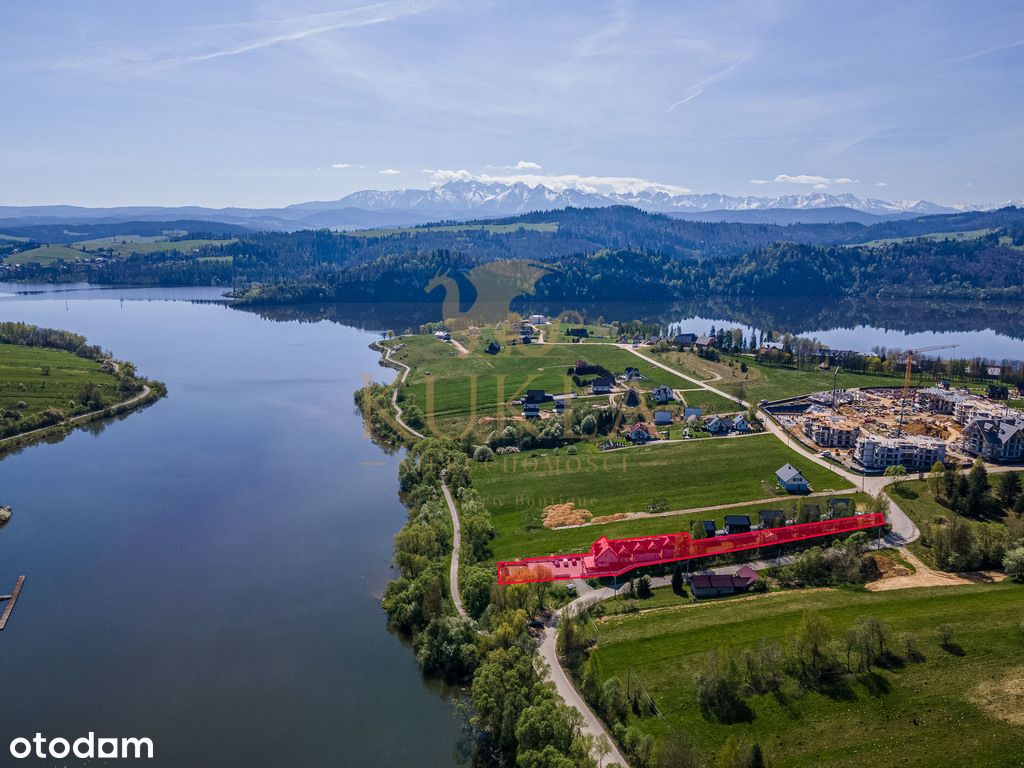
(207, 572)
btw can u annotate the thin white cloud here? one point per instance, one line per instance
(341, 166)
(526, 165)
(802, 178)
(389, 171)
(881, 184)
(697, 88)
(561, 182)
(818, 182)
(275, 32)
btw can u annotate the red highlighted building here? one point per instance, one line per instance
(613, 557)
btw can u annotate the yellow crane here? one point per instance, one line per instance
(906, 376)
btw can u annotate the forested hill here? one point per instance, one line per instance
(600, 254)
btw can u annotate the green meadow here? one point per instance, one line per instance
(961, 705)
(516, 488)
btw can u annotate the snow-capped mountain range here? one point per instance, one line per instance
(510, 199)
(463, 200)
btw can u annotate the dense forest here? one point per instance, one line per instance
(601, 254)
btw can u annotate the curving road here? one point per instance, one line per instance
(394, 393)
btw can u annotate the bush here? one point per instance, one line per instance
(483, 453)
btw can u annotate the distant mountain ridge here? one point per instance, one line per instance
(468, 199)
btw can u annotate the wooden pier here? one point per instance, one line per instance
(10, 603)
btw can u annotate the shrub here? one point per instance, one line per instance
(1013, 564)
(483, 453)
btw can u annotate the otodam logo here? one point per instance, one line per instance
(86, 748)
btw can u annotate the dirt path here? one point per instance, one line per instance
(925, 576)
(453, 571)
(103, 413)
(458, 345)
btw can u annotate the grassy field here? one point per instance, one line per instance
(928, 714)
(971, 234)
(497, 229)
(701, 473)
(457, 391)
(142, 245)
(767, 382)
(46, 254)
(121, 246)
(24, 379)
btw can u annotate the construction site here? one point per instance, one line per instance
(914, 427)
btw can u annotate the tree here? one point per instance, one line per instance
(935, 480)
(718, 688)
(977, 487)
(1013, 564)
(944, 633)
(898, 471)
(483, 453)
(1009, 489)
(677, 580)
(544, 724)
(643, 587)
(589, 424)
(812, 640)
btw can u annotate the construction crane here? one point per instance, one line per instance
(906, 377)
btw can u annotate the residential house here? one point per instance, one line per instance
(538, 320)
(770, 349)
(1000, 440)
(691, 412)
(601, 386)
(662, 394)
(685, 340)
(709, 528)
(640, 433)
(493, 348)
(740, 423)
(840, 508)
(631, 374)
(536, 396)
(632, 399)
(737, 524)
(703, 342)
(718, 425)
(579, 333)
(662, 418)
(531, 411)
(560, 405)
(704, 585)
(790, 479)
(771, 518)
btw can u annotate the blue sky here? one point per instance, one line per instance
(269, 103)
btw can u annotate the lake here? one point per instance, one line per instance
(207, 572)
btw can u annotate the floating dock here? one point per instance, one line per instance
(9, 608)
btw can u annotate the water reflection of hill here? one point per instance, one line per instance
(797, 316)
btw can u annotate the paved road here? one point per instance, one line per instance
(592, 725)
(453, 573)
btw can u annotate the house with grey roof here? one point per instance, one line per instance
(790, 479)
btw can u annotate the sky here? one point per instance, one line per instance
(262, 104)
